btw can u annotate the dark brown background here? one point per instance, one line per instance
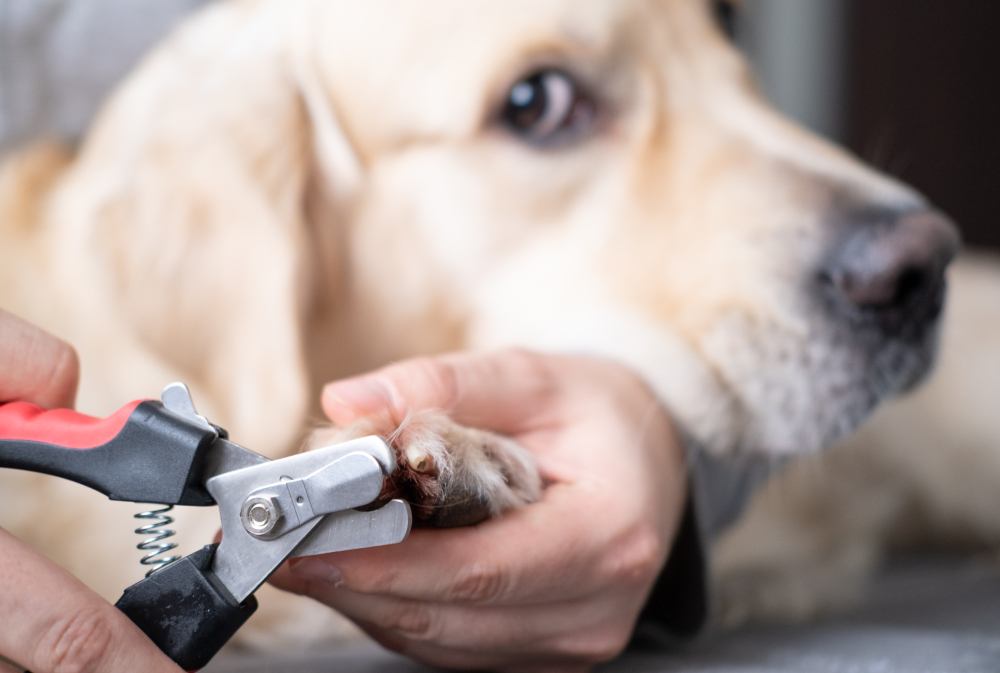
(923, 102)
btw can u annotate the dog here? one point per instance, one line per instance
(288, 192)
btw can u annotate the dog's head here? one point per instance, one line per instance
(596, 176)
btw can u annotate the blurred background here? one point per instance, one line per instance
(912, 86)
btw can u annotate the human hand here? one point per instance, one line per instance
(554, 586)
(36, 367)
(50, 621)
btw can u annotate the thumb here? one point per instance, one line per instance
(504, 391)
(49, 621)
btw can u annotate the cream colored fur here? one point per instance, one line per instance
(291, 191)
(923, 471)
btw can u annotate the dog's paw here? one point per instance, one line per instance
(451, 475)
(782, 596)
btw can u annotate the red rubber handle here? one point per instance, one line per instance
(61, 427)
(142, 453)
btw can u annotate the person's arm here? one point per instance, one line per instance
(720, 490)
(50, 621)
(556, 585)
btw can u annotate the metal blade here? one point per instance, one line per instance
(353, 530)
(244, 561)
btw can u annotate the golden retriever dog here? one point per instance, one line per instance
(286, 192)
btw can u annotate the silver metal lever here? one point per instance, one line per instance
(272, 510)
(177, 399)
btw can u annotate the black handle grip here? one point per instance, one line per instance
(150, 455)
(185, 610)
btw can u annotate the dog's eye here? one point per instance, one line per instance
(547, 107)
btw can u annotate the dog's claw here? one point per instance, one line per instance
(450, 474)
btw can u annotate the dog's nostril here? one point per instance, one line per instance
(892, 267)
(887, 289)
(910, 284)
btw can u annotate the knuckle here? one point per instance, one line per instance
(594, 646)
(66, 371)
(536, 369)
(78, 643)
(647, 555)
(533, 365)
(479, 584)
(439, 376)
(413, 620)
(524, 358)
(632, 382)
(637, 559)
(386, 580)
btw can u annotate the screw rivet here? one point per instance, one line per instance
(260, 515)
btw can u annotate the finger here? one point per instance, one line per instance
(50, 621)
(36, 366)
(564, 626)
(547, 552)
(573, 634)
(503, 391)
(511, 661)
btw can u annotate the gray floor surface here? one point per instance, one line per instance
(924, 615)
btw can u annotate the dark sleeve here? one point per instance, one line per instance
(678, 605)
(720, 489)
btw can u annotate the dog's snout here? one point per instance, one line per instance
(891, 268)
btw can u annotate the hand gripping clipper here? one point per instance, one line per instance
(270, 510)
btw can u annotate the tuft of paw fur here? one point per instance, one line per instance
(450, 474)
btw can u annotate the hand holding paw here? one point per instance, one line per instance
(556, 585)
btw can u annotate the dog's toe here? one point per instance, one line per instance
(451, 475)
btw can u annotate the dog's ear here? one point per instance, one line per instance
(334, 155)
(189, 198)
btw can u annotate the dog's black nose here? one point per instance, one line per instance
(890, 269)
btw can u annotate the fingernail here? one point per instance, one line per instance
(364, 394)
(314, 569)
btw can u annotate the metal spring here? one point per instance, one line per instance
(153, 544)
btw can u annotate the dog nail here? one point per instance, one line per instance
(314, 569)
(419, 459)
